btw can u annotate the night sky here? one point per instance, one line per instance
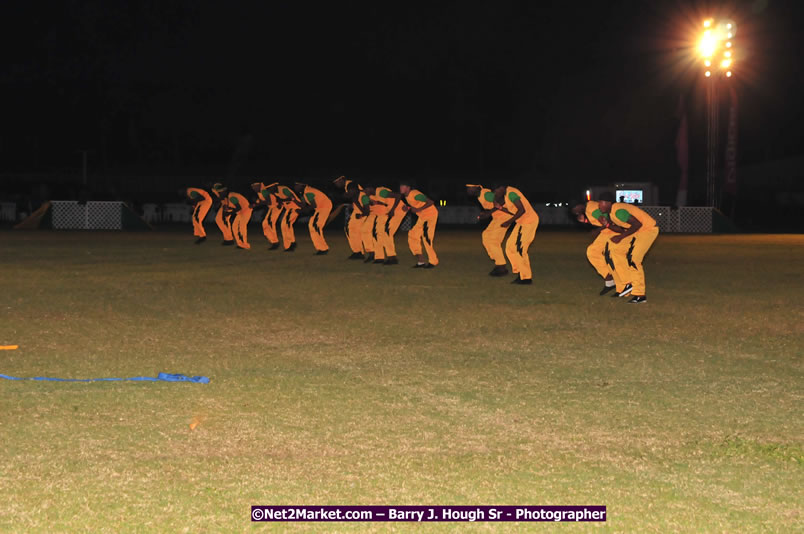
(569, 92)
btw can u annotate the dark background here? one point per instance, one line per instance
(551, 95)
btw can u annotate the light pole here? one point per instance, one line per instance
(712, 130)
(716, 48)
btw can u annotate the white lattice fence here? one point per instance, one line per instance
(70, 215)
(104, 216)
(695, 220)
(686, 220)
(664, 216)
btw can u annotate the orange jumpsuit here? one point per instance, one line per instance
(516, 248)
(204, 202)
(368, 224)
(494, 234)
(323, 207)
(222, 219)
(354, 225)
(271, 217)
(385, 228)
(240, 205)
(629, 253)
(424, 229)
(292, 205)
(599, 252)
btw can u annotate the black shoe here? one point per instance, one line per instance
(628, 288)
(523, 282)
(499, 270)
(200, 240)
(419, 266)
(378, 261)
(273, 246)
(605, 290)
(638, 299)
(322, 252)
(369, 258)
(291, 248)
(228, 243)
(355, 256)
(391, 260)
(429, 266)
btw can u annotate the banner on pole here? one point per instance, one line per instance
(730, 178)
(682, 152)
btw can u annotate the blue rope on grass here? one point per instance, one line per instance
(162, 377)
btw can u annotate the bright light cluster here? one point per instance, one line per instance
(716, 47)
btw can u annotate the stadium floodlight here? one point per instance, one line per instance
(715, 49)
(708, 44)
(727, 28)
(716, 37)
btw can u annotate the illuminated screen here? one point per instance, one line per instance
(630, 195)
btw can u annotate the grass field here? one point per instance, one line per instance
(335, 382)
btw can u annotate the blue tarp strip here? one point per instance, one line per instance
(162, 377)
